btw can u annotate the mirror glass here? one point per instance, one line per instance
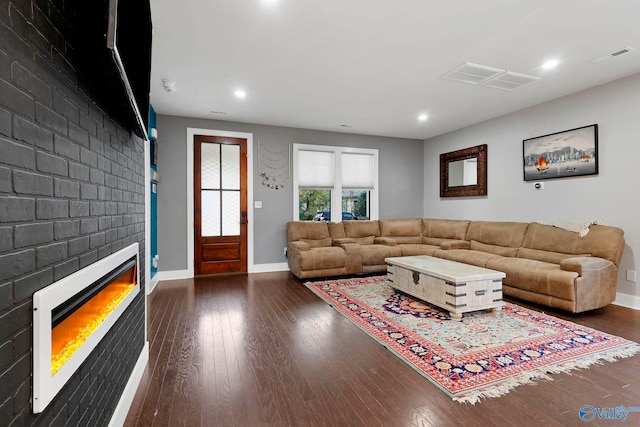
(464, 172)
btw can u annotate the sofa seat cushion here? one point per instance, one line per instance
(418, 249)
(367, 240)
(466, 256)
(536, 276)
(318, 243)
(493, 249)
(323, 258)
(376, 254)
(438, 241)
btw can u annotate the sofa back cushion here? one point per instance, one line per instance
(601, 241)
(362, 232)
(316, 234)
(545, 256)
(509, 234)
(403, 231)
(493, 249)
(436, 231)
(336, 230)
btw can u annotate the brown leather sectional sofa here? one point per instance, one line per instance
(543, 264)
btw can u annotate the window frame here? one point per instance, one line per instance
(336, 190)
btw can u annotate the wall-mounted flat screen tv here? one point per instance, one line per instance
(115, 58)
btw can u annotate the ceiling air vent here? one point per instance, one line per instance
(489, 76)
(472, 73)
(511, 81)
(613, 54)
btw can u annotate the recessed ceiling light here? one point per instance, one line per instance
(550, 64)
(240, 93)
(423, 117)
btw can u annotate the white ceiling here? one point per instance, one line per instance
(375, 65)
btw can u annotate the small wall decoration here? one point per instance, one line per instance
(274, 167)
(573, 152)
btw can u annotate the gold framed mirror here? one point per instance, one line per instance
(464, 172)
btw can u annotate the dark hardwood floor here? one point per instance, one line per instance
(263, 350)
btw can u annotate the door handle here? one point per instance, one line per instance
(244, 217)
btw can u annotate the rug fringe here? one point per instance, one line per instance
(530, 378)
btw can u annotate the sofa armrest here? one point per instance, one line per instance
(385, 241)
(585, 265)
(596, 283)
(455, 244)
(299, 246)
(343, 241)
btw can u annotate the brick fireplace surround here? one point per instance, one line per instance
(71, 192)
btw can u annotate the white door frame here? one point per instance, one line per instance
(191, 132)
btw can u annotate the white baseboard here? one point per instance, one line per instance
(172, 275)
(184, 274)
(269, 268)
(152, 284)
(122, 409)
(625, 300)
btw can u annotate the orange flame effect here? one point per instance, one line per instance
(68, 336)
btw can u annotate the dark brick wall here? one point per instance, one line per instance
(71, 192)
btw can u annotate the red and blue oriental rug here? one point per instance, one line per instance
(486, 354)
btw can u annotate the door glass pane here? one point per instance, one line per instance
(210, 209)
(210, 165)
(231, 167)
(230, 213)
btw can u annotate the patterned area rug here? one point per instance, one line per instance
(486, 354)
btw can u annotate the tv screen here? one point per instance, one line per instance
(115, 58)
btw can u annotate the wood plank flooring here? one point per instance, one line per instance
(263, 350)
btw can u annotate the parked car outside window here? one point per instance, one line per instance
(326, 216)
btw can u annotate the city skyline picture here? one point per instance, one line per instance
(564, 154)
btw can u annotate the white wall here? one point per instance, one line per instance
(612, 196)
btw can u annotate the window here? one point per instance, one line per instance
(342, 178)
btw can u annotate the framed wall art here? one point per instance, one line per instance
(564, 154)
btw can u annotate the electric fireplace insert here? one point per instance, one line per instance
(72, 315)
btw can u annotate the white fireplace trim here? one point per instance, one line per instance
(45, 385)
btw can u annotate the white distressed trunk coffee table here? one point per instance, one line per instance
(454, 286)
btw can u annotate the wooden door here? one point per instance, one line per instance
(220, 204)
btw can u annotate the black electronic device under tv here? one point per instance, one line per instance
(115, 58)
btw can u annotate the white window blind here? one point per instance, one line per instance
(358, 171)
(315, 169)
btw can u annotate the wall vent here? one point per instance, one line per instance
(612, 55)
